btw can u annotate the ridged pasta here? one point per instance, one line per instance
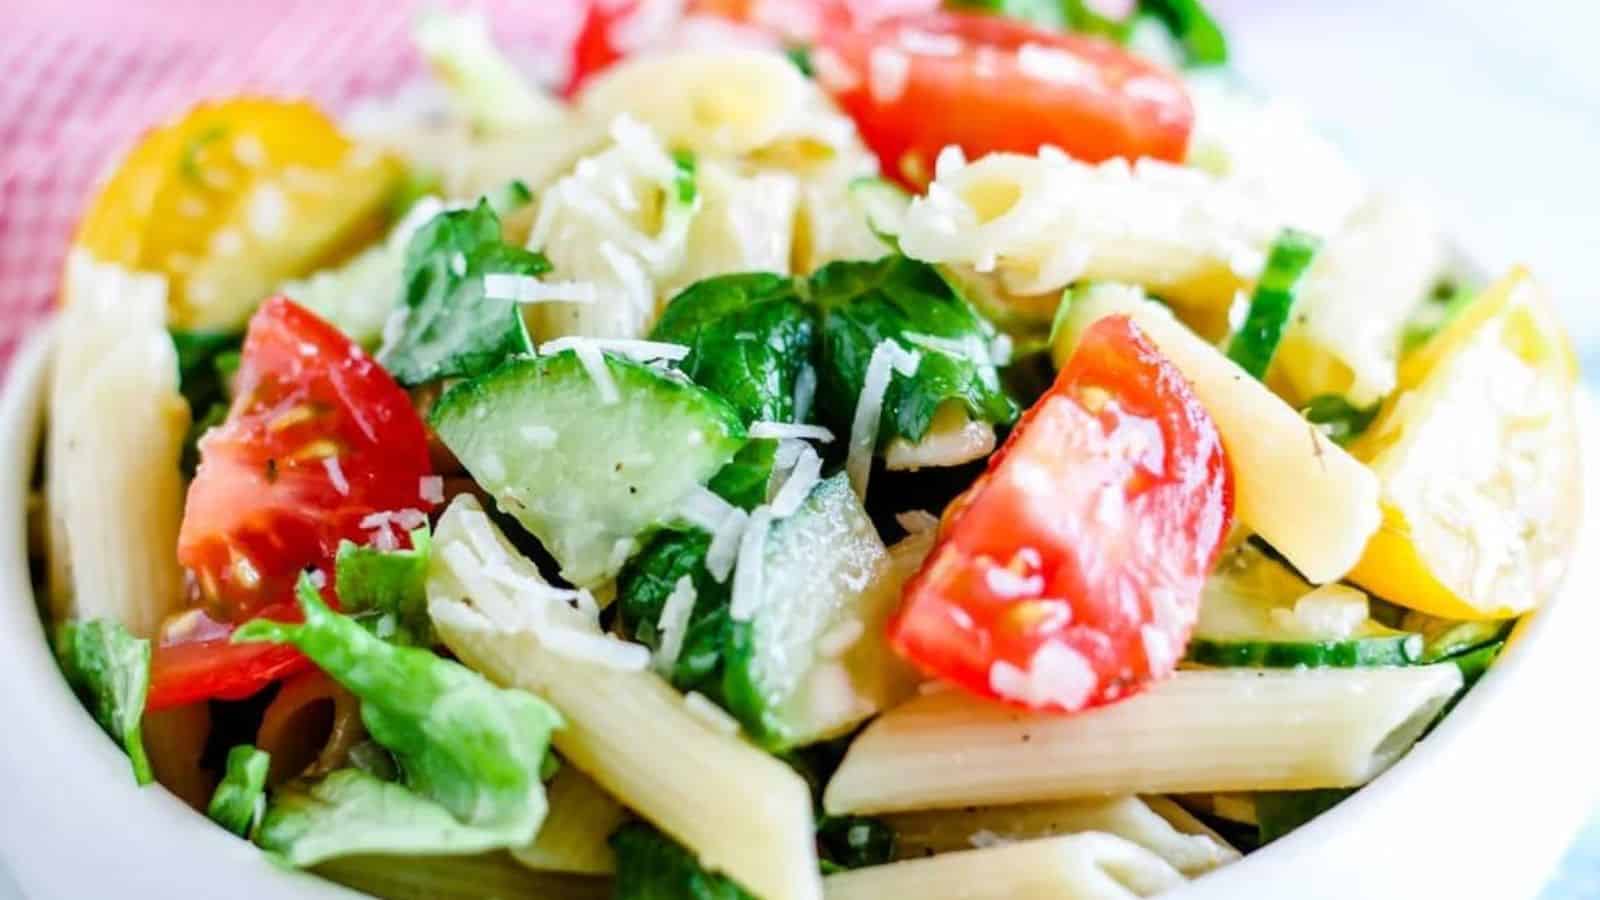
(1344, 336)
(1082, 867)
(1035, 224)
(117, 427)
(1192, 852)
(1213, 730)
(573, 837)
(639, 740)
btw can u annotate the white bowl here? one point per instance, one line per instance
(1481, 809)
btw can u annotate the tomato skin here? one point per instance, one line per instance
(965, 84)
(206, 666)
(319, 437)
(599, 43)
(1080, 553)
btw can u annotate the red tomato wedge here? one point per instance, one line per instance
(319, 438)
(1069, 574)
(195, 661)
(989, 84)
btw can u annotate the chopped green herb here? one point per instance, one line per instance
(652, 866)
(1280, 812)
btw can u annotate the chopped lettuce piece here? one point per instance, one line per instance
(109, 669)
(456, 324)
(350, 812)
(474, 750)
(1280, 812)
(908, 302)
(750, 338)
(652, 866)
(241, 796)
(386, 590)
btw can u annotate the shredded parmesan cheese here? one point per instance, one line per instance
(636, 350)
(725, 543)
(807, 472)
(527, 289)
(711, 715)
(430, 489)
(782, 430)
(888, 70)
(750, 570)
(673, 625)
(887, 358)
(336, 475)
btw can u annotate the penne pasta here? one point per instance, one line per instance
(175, 740)
(1082, 867)
(1274, 452)
(1040, 223)
(309, 727)
(1193, 852)
(1362, 286)
(627, 729)
(1207, 730)
(573, 837)
(117, 427)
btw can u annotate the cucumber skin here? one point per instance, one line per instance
(472, 405)
(1359, 652)
(1253, 346)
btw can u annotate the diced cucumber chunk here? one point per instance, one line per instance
(587, 477)
(811, 662)
(1257, 612)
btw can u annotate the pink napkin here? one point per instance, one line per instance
(81, 79)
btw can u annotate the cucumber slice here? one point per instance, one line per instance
(1448, 638)
(811, 661)
(884, 206)
(1257, 339)
(1257, 612)
(586, 477)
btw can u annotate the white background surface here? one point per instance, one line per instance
(1488, 109)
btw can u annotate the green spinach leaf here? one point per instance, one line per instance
(895, 298)
(652, 866)
(454, 326)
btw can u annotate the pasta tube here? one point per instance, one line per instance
(1193, 852)
(1214, 730)
(1081, 867)
(117, 429)
(573, 837)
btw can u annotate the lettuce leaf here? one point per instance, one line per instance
(109, 669)
(474, 751)
(241, 796)
(386, 590)
(350, 812)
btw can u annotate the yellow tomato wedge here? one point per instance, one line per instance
(234, 198)
(1477, 455)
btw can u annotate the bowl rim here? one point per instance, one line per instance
(193, 854)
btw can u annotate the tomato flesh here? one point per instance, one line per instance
(1069, 574)
(195, 661)
(319, 438)
(990, 84)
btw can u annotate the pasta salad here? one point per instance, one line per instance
(818, 449)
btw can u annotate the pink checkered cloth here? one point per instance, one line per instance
(80, 79)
